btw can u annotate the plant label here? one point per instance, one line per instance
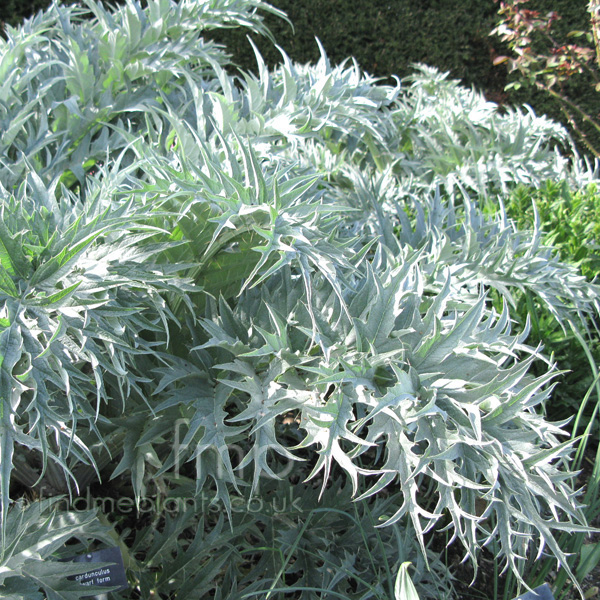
(112, 575)
(540, 593)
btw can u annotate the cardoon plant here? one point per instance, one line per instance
(269, 307)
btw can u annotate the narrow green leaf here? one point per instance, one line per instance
(51, 271)
(59, 297)
(12, 257)
(7, 285)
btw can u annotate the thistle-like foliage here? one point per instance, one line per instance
(216, 287)
(454, 134)
(61, 90)
(36, 534)
(80, 299)
(426, 392)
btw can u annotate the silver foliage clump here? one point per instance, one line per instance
(293, 264)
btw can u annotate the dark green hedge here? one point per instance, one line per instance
(14, 11)
(387, 36)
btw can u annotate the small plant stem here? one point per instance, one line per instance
(496, 573)
(592, 363)
(535, 323)
(562, 98)
(582, 136)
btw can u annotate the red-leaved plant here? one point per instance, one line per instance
(549, 63)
